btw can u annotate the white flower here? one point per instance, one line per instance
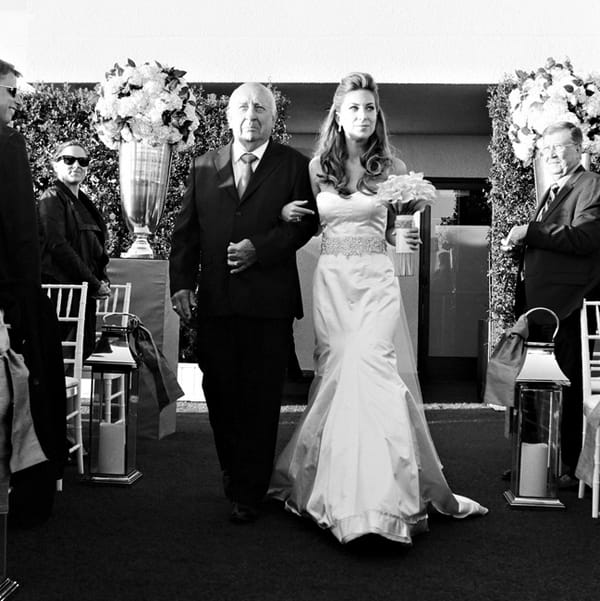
(406, 193)
(553, 93)
(135, 103)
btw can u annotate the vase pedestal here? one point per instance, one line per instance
(151, 302)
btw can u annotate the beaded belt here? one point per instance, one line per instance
(352, 246)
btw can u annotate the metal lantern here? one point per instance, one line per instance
(113, 406)
(535, 427)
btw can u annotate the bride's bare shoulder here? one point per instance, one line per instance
(314, 166)
(398, 167)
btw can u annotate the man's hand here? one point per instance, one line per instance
(515, 237)
(183, 303)
(294, 211)
(103, 290)
(240, 255)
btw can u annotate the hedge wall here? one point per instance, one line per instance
(512, 199)
(56, 113)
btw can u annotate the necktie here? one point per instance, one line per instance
(247, 159)
(549, 200)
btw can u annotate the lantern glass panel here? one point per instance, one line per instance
(536, 440)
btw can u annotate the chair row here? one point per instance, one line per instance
(70, 301)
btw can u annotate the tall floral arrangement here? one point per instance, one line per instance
(151, 103)
(554, 92)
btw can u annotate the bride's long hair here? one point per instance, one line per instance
(332, 150)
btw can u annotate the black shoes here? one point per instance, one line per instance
(243, 514)
(568, 482)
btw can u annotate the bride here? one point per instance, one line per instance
(361, 460)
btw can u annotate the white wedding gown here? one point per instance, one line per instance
(361, 459)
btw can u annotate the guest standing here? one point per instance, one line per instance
(361, 460)
(74, 234)
(34, 327)
(248, 291)
(561, 266)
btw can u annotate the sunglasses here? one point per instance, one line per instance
(69, 160)
(12, 91)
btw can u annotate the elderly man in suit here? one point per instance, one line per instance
(247, 290)
(561, 266)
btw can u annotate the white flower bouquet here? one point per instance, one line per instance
(151, 103)
(550, 94)
(407, 195)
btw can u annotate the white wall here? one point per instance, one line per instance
(430, 41)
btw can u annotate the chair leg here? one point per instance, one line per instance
(596, 476)
(581, 489)
(79, 435)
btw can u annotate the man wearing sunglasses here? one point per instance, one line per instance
(40, 407)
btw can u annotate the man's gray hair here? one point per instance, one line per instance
(574, 131)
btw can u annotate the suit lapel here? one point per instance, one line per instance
(268, 162)
(224, 170)
(563, 192)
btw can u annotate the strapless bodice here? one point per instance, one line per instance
(359, 215)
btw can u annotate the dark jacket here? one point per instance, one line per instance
(73, 239)
(562, 251)
(19, 246)
(212, 215)
(34, 327)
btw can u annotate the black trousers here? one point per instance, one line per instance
(567, 350)
(243, 361)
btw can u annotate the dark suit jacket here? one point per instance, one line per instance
(212, 215)
(19, 245)
(34, 327)
(562, 251)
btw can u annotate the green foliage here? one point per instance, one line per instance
(55, 114)
(512, 199)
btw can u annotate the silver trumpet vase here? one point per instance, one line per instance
(143, 177)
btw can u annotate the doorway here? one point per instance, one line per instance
(453, 286)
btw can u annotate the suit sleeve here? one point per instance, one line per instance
(579, 237)
(18, 221)
(283, 240)
(185, 242)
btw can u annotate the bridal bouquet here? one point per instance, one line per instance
(550, 94)
(151, 103)
(407, 195)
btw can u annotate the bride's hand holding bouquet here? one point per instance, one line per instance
(406, 195)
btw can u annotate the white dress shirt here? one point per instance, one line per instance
(237, 150)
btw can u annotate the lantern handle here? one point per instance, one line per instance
(527, 313)
(133, 321)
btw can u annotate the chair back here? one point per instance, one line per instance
(590, 335)
(117, 302)
(69, 301)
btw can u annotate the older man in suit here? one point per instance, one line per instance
(561, 266)
(248, 290)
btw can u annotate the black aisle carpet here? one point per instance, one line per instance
(168, 536)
